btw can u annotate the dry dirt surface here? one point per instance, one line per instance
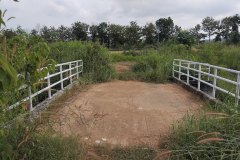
(125, 113)
(122, 67)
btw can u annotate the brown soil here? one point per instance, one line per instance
(122, 67)
(125, 113)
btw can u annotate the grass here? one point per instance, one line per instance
(211, 134)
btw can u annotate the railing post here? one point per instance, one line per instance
(199, 77)
(237, 89)
(188, 73)
(70, 72)
(180, 69)
(61, 76)
(214, 82)
(29, 92)
(49, 89)
(173, 74)
(209, 71)
(77, 65)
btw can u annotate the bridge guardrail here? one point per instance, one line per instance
(73, 69)
(191, 73)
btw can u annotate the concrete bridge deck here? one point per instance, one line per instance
(124, 113)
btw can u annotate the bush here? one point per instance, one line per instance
(96, 59)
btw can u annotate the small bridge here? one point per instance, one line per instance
(130, 113)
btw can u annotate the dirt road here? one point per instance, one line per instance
(125, 113)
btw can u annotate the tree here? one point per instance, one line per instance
(197, 35)
(93, 33)
(48, 34)
(209, 25)
(149, 32)
(186, 38)
(132, 34)
(80, 30)
(226, 28)
(64, 33)
(115, 35)
(102, 30)
(165, 29)
(235, 21)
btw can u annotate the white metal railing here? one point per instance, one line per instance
(66, 71)
(192, 73)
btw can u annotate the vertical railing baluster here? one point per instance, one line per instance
(214, 82)
(180, 69)
(209, 71)
(188, 72)
(70, 72)
(49, 84)
(61, 76)
(77, 65)
(173, 74)
(199, 77)
(237, 89)
(29, 92)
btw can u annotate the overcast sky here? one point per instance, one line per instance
(186, 13)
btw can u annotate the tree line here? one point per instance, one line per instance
(134, 35)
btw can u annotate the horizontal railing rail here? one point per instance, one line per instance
(205, 77)
(65, 72)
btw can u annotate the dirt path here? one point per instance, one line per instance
(122, 67)
(125, 113)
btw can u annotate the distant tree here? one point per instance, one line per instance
(235, 22)
(219, 31)
(65, 33)
(133, 34)
(79, 31)
(102, 32)
(34, 32)
(93, 32)
(116, 35)
(226, 28)
(48, 34)
(186, 38)
(195, 32)
(149, 32)
(165, 29)
(209, 25)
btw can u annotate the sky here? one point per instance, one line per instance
(186, 13)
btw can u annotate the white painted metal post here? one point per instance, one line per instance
(173, 74)
(237, 89)
(49, 83)
(77, 65)
(30, 98)
(61, 76)
(214, 82)
(199, 77)
(70, 72)
(209, 71)
(188, 73)
(180, 68)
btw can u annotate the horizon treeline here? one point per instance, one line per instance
(116, 36)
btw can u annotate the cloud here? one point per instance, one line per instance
(185, 13)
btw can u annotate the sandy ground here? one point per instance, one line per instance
(125, 113)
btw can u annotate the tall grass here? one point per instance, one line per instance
(97, 62)
(211, 135)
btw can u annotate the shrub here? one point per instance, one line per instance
(96, 59)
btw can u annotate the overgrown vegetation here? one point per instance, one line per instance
(212, 134)
(206, 135)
